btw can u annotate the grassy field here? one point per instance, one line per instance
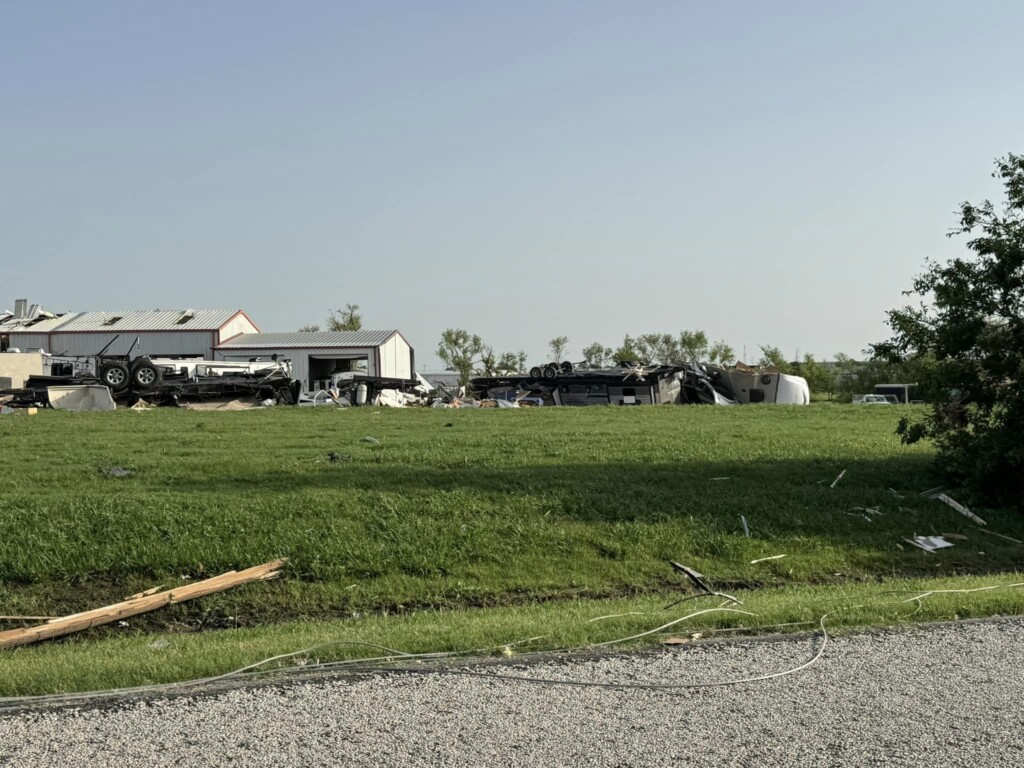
(462, 509)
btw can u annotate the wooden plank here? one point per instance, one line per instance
(133, 606)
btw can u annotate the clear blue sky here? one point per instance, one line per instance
(773, 173)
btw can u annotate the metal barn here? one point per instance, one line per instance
(161, 333)
(318, 356)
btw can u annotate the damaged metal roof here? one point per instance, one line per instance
(301, 339)
(31, 324)
(143, 320)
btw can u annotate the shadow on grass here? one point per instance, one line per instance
(781, 499)
(614, 491)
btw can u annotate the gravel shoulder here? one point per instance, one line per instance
(949, 694)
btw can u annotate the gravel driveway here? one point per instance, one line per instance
(949, 695)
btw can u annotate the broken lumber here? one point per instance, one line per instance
(133, 606)
(959, 508)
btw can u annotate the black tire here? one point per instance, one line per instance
(566, 367)
(114, 375)
(551, 372)
(535, 372)
(146, 376)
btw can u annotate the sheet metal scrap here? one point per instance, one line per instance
(929, 543)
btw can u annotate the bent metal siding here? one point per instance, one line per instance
(155, 343)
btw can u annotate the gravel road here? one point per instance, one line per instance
(948, 695)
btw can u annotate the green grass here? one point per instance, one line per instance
(461, 509)
(134, 658)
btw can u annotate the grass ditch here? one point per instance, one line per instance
(133, 658)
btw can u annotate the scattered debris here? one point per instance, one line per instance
(858, 514)
(1002, 536)
(221, 405)
(117, 471)
(698, 581)
(371, 440)
(394, 398)
(322, 397)
(868, 510)
(959, 508)
(746, 528)
(929, 543)
(838, 478)
(896, 493)
(676, 640)
(721, 478)
(108, 614)
(335, 457)
(81, 397)
(764, 559)
(955, 536)
(629, 382)
(932, 491)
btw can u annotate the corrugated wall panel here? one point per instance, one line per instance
(164, 344)
(25, 341)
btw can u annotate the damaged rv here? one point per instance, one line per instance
(631, 383)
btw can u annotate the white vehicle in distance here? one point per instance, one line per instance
(873, 400)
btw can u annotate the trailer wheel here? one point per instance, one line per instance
(566, 367)
(114, 375)
(551, 372)
(535, 372)
(145, 375)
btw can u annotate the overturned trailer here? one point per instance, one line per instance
(161, 381)
(636, 384)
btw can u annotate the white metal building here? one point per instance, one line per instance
(317, 356)
(161, 333)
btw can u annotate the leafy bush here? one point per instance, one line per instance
(970, 321)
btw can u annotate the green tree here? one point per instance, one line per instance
(558, 346)
(693, 346)
(658, 348)
(628, 350)
(969, 324)
(461, 351)
(347, 319)
(596, 355)
(721, 353)
(312, 328)
(511, 362)
(820, 378)
(772, 358)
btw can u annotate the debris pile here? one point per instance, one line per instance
(630, 382)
